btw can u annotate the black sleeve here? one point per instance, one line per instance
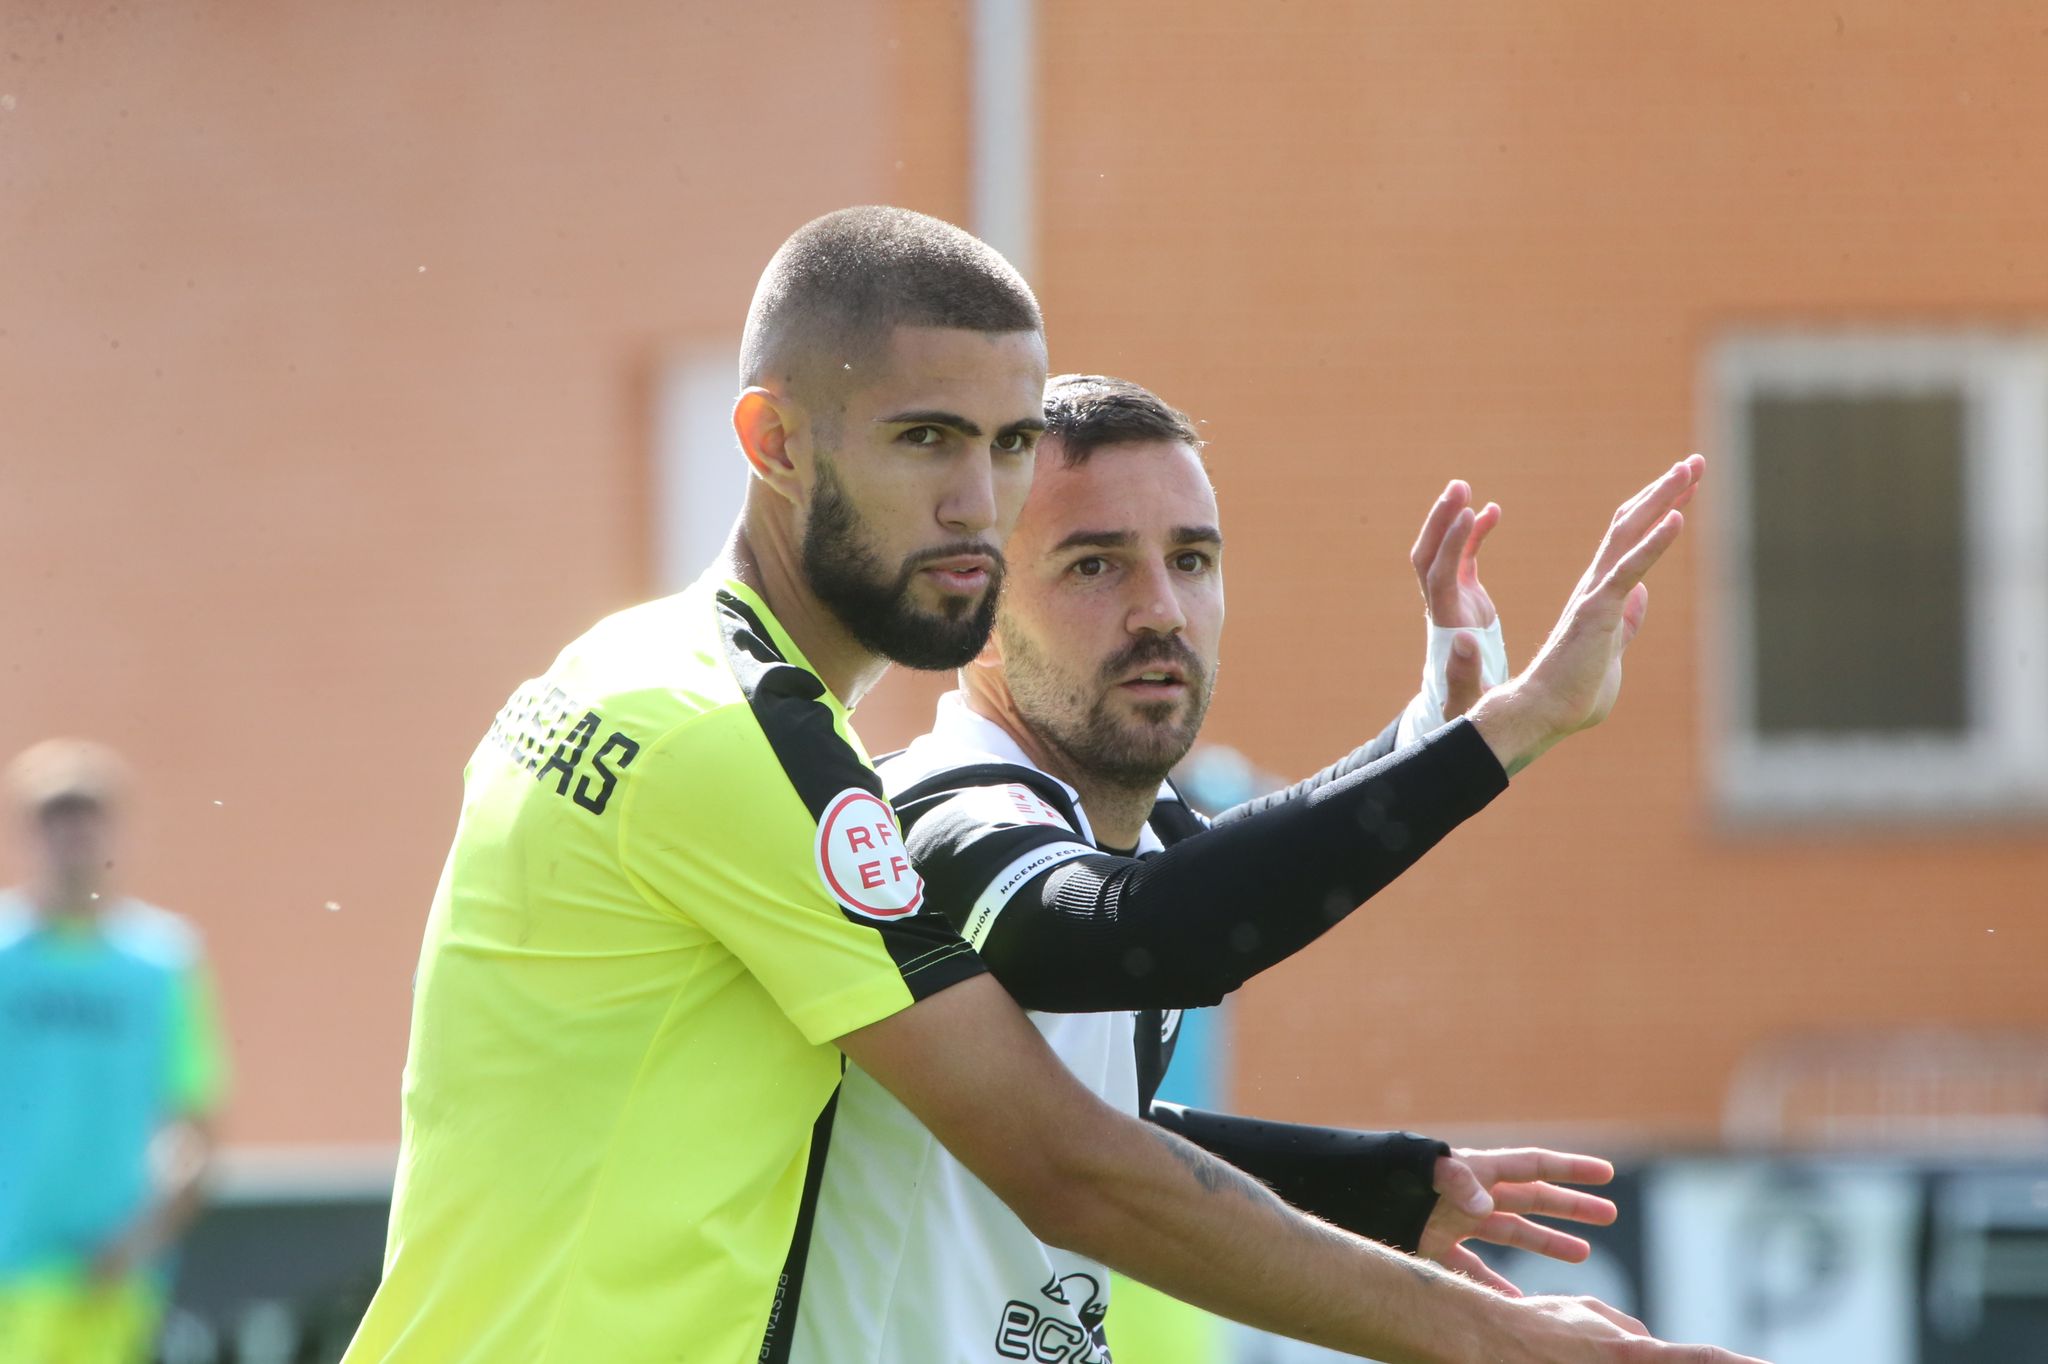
(1071, 930)
(1364, 755)
(1377, 1184)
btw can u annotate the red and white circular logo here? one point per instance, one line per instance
(862, 860)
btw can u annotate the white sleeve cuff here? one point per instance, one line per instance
(1425, 714)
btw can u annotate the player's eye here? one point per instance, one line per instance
(923, 435)
(1016, 443)
(1094, 566)
(1191, 561)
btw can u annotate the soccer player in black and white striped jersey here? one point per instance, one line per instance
(1037, 812)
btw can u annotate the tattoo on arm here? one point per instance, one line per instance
(1214, 1175)
(1419, 1268)
(1218, 1176)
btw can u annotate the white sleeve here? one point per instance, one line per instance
(1425, 713)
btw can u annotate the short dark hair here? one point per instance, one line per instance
(1085, 412)
(841, 282)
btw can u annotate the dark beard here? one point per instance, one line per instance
(1100, 746)
(847, 575)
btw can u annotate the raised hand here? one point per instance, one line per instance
(1446, 562)
(1446, 559)
(1576, 676)
(1490, 1196)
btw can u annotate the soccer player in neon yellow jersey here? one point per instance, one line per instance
(676, 900)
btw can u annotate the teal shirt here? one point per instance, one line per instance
(106, 1033)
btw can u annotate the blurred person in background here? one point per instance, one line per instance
(111, 1072)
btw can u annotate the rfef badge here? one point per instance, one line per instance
(862, 860)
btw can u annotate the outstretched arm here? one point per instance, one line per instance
(1082, 1176)
(1069, 929)
(1375, 1184)
(1410, 1192)
(1366, 754)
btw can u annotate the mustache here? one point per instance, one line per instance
(1155, 649)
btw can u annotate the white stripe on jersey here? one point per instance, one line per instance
(912, 1258)
(1030, 864)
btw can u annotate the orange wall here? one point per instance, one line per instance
(326, 335)
(1379, 245)
(327, 338)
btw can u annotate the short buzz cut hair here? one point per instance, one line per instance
(1085, 412)
(831, 295)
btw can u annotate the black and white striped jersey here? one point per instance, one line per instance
(911, 1257)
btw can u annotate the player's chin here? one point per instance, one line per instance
(1157, 734)
(939, 648)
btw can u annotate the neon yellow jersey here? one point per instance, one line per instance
(673, 884)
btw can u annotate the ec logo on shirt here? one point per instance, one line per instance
(861, 857)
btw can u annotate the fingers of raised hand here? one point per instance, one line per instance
(1506, 1229)
(1629, 570)
(1482, 526)
(1456, 1183)
(1521, 1164)
(1440, 583)
(1456, 496)
(1662, 493)
(1548, 1200)
(1646, 508)
(1634, 607)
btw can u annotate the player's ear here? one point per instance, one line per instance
(766, 424)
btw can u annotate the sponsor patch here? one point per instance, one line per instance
(861, 858)
(1009, 805)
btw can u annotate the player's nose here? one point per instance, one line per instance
(1155, 606)
(967, 503)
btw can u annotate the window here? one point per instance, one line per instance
(1880, 622)
(699, 476)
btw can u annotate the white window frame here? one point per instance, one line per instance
(699, 475)
(1999, 767)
